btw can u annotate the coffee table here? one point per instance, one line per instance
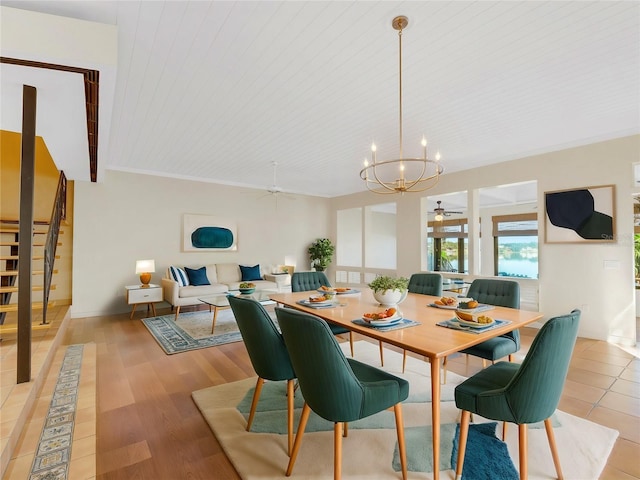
(221, 302)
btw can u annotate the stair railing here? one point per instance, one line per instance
(58, 214)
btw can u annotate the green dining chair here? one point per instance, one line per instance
(267, 352)
(502, 293)
(522, 394)
(424, 284)
(337, 388)
(307, 281)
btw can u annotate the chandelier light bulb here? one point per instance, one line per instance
(424, 142)
(438, 156)
(373, 147)
(366, 162)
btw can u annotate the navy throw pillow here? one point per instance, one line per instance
(197, 276)
(250, 273)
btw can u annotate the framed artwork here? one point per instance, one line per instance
(580, 215)
(204, 233)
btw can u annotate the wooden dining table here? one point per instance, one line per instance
(428, 339)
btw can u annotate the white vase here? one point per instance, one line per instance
(390, 297)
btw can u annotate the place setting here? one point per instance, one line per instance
(385, 320)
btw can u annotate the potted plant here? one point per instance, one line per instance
(389, 290)
(320, 253)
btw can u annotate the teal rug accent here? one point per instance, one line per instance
(192, 330)
(486, 456)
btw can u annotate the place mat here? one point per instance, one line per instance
(305, 303)
(453, 323)
(404, 323)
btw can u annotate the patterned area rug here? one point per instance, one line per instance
(369, 451)
(193, 330)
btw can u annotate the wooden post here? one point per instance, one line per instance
(27, 180)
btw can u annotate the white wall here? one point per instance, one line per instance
(130, 217)
(571, 275)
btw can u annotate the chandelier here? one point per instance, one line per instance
(391, 176)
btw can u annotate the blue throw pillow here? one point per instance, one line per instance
(250, 273)
(179, 275)
(197, 276)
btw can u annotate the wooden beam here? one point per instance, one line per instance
(27, 182)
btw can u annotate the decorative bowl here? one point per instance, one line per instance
(390, 297)
(245, 291)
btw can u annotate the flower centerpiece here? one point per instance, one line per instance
(389, 290)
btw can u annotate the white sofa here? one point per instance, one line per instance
(223, 277)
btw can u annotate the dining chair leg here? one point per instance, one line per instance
(290, 399)
(304, 417)
(254, 402)
(484, 363)
(351, 343)
(337, 450)
(522, 450)
(404, 360)
(381, 354)
(554, 449)
(402, 449)
(504, 431)
(345, 429)
(462, 441)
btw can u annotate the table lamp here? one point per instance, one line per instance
(145, 268)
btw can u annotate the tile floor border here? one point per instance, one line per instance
(53, 454)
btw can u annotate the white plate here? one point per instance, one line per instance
(383, 321)
(445, 307)
(335, 292)
(474, 324)
(321, 304)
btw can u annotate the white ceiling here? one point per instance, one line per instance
(217, 91)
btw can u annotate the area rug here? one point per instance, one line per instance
(193, 330)
(369, 451)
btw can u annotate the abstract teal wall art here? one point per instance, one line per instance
(208, 233)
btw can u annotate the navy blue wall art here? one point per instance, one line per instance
(580, 215)
(207, 233)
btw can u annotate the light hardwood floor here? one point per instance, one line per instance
(147, 426)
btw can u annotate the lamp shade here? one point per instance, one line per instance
(145, 266)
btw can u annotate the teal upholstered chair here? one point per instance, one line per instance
(424, 284)
(522, 394)
(307, 281)
(337, 388)
(267, 352)
(503, 293)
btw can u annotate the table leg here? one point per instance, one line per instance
(435, 415)
(153, 309)
(132, 310)
(215, 316)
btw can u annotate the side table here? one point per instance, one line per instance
(137, 294)
(282, 280)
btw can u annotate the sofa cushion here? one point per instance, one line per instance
(178, 275)
(228, 273)
(211, 274)
(197, 276)
(250, 273)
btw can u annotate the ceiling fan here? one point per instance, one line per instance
(440, 212)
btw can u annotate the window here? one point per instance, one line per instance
(516, 245)
(448, 246)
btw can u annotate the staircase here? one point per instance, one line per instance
(9, 248)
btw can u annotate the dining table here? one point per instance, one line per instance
(425, 338)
